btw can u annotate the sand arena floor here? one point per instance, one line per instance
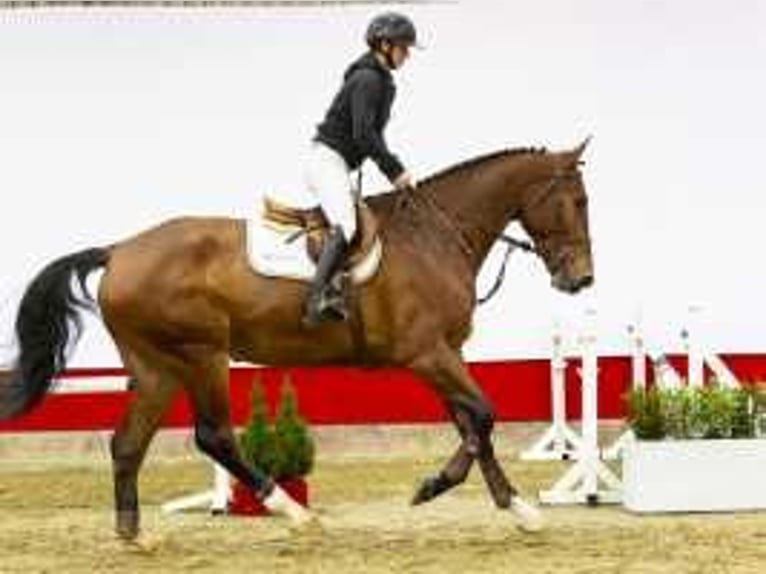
(56, 516)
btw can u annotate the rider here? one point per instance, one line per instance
(352, 130)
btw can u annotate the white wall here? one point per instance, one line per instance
(113, 120)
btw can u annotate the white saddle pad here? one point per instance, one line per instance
(272, 255)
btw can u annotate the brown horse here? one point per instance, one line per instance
(181, 299)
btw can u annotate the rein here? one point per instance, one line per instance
(459, 235)
(511, 243)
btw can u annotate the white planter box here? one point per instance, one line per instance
(694, 475)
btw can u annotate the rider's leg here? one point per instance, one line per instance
(328, 179)
(325, 302)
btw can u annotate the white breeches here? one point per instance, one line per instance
(328, 179)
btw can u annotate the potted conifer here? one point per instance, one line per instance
(284, 449)
(697, 448)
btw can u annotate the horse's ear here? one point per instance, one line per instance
(572, 158)
(578, 151)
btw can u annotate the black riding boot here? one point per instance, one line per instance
(325, 301)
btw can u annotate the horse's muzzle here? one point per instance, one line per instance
(571, 285)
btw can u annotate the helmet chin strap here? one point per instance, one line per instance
(390, 61)
(387, 56)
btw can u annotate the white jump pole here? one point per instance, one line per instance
(559, 441)
(76, 385)
(699, 355)
(590, 452)
(637, 357)
(696, 361)
(580, 483)
(722, 373)
(665, 375)
(638, 376)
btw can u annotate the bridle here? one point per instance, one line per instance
(550, 186)
(511, 242)
(526, 246)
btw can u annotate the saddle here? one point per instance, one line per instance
(312, 222)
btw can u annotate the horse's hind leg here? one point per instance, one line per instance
(153, 390)
(209, 391)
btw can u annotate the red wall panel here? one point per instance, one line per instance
(519, 390)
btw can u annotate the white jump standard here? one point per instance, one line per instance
(559, 442)
(580, 483)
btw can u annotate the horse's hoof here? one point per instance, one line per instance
(530, 518)
(422, 494)
(141, 543)
(126, 535)
(301, 518)
(282, 504)
(427, 491)
(310, 525)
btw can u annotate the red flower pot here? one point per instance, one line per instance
(243, 502)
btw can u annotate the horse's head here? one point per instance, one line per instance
(555, 215)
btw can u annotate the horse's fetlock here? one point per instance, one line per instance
(473, 446)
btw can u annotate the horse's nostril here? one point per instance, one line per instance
(585, 281)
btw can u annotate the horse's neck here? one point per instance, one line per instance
(483, 199)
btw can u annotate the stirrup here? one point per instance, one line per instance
(328, 306)
(333, 307)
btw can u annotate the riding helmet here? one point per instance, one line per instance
(393, 27)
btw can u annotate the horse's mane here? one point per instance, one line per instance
(472, 162)
(387, 199)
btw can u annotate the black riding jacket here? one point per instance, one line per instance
(354, 124)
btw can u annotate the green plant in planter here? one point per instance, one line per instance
(257, 441)
(645, 414)
(294, 444)
(759, 409)
(716, 408)
(745, 414)
(284, 449)
(712, 411)
(678, 406)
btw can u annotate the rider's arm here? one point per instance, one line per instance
(366, 97)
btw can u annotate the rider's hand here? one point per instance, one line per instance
(405, 181)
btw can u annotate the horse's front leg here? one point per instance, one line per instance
(472, 413)
(454, 472)
(470, 420)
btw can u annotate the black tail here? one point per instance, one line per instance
(47, 327)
